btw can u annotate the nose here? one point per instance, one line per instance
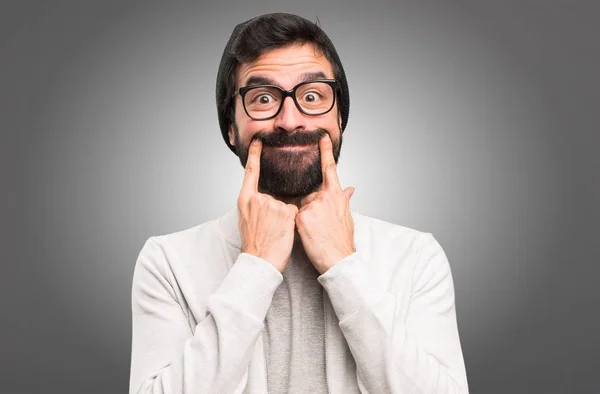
(290, 118)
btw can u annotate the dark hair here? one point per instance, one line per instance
(252, 38)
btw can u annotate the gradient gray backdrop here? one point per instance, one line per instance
(474, 120)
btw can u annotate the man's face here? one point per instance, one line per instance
(290, 164)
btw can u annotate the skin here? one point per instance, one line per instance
(322, 219)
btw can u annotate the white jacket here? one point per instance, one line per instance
(198, 307)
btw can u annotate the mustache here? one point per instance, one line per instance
(284, 138)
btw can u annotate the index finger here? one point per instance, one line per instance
(328, 166)
(252, 169)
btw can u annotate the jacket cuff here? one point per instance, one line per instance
(249, 286)
(351, 287)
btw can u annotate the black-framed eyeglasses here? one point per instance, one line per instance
(313, 98)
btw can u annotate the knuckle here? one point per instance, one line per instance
(256, 198)
(276, 206)
(302, 218)
(241, 200)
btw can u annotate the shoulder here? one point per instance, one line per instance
(186, 240)
(183, 241)
(396, 245)
(178, 251)
(378, 232)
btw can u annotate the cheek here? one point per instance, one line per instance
(246, 127)
(332, 126)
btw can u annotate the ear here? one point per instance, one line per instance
(231, 135)
(340, 119)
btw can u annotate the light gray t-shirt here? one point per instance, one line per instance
(295, 337)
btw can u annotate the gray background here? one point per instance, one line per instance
(474, 120)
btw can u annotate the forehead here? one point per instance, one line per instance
(286, 65)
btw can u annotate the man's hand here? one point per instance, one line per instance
(324, 221)
(266, 225)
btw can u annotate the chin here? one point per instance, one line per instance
(295, 183)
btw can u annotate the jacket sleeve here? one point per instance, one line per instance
(400, 350)
(168, 355)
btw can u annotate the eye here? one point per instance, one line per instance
(264, 99)
(311, 97)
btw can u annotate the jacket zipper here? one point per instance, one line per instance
(325, 343)
(266, 358)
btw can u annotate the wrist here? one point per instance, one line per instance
(273, 261)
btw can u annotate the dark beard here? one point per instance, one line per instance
(287, 173)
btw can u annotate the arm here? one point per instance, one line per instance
(417, 351)
(168, 356)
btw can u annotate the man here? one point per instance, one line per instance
(291, 291)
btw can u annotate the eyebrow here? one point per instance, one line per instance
(259, 80)
(311, 76)
(263, 80)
